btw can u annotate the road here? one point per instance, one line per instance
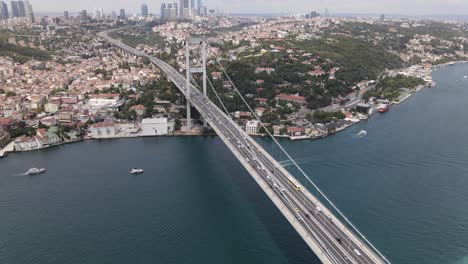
(331, 241)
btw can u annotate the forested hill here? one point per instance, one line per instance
(19, 53)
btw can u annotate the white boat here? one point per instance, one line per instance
(466, 76)
(136, 171)
(35, 171)
(362, 133)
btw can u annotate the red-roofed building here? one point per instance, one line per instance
(243, 115)
(262, 101)
(259, 111)
(139, 109)
(216, 75)
(294, 131)
(103, 130)
(291, 98)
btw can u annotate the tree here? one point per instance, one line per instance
(177, 124)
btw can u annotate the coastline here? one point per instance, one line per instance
(10, 147)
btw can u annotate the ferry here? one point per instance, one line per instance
(35, 171)
(362, 133)
(136, 171)
(383, 108)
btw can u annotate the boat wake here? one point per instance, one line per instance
(361, 134)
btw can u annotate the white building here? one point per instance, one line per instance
(28, 143)
(51, 107)
(252, 127)
(154, 127)
(103, 130)
(98, 101)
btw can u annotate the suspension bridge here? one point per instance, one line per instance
(331, 236)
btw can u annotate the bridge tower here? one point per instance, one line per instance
(189, 70)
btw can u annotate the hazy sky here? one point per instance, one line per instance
(408, 7)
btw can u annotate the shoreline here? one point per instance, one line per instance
(4, 152)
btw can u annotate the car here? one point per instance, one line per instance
(339, 240)
(268, 177)
(357, 252)
(298, 216)
(307, 215)
(275, 185)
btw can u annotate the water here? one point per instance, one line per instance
(405, 185)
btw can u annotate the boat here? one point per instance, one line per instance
(362, 133)
(136, 171)
(383, 108)
(35, 171)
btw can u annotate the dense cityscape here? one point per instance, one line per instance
(187, 70)
(60, 84)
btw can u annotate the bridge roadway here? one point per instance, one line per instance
(330, 240)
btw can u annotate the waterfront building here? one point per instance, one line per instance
(103, 130)
(294, 131)
(154, 127)
(363, 108)
(252, 127)
(5, 138)
(66, 16)
(4, 10)
(28, 143)
(144, 10)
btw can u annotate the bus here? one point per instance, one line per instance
(294, 185)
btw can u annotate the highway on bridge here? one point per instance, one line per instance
(327, 236)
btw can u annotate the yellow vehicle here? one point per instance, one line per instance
(294, 185)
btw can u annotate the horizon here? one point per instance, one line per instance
(395, 7)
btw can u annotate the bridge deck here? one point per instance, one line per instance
(325, 234)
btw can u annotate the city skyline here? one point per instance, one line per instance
(417, 7)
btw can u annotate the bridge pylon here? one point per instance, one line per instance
(189, 70)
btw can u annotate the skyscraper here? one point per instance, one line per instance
(98, 13)
(163, 10)
(28, 11)
(15, 9)
(185, 8)
(122, 14)
(21, 8)
(66, 16)
(3, 10)
(169, 11)
(144, 10)
(83, 16)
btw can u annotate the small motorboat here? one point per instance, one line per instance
(136, 171)
(362, 133)
(35, 171)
